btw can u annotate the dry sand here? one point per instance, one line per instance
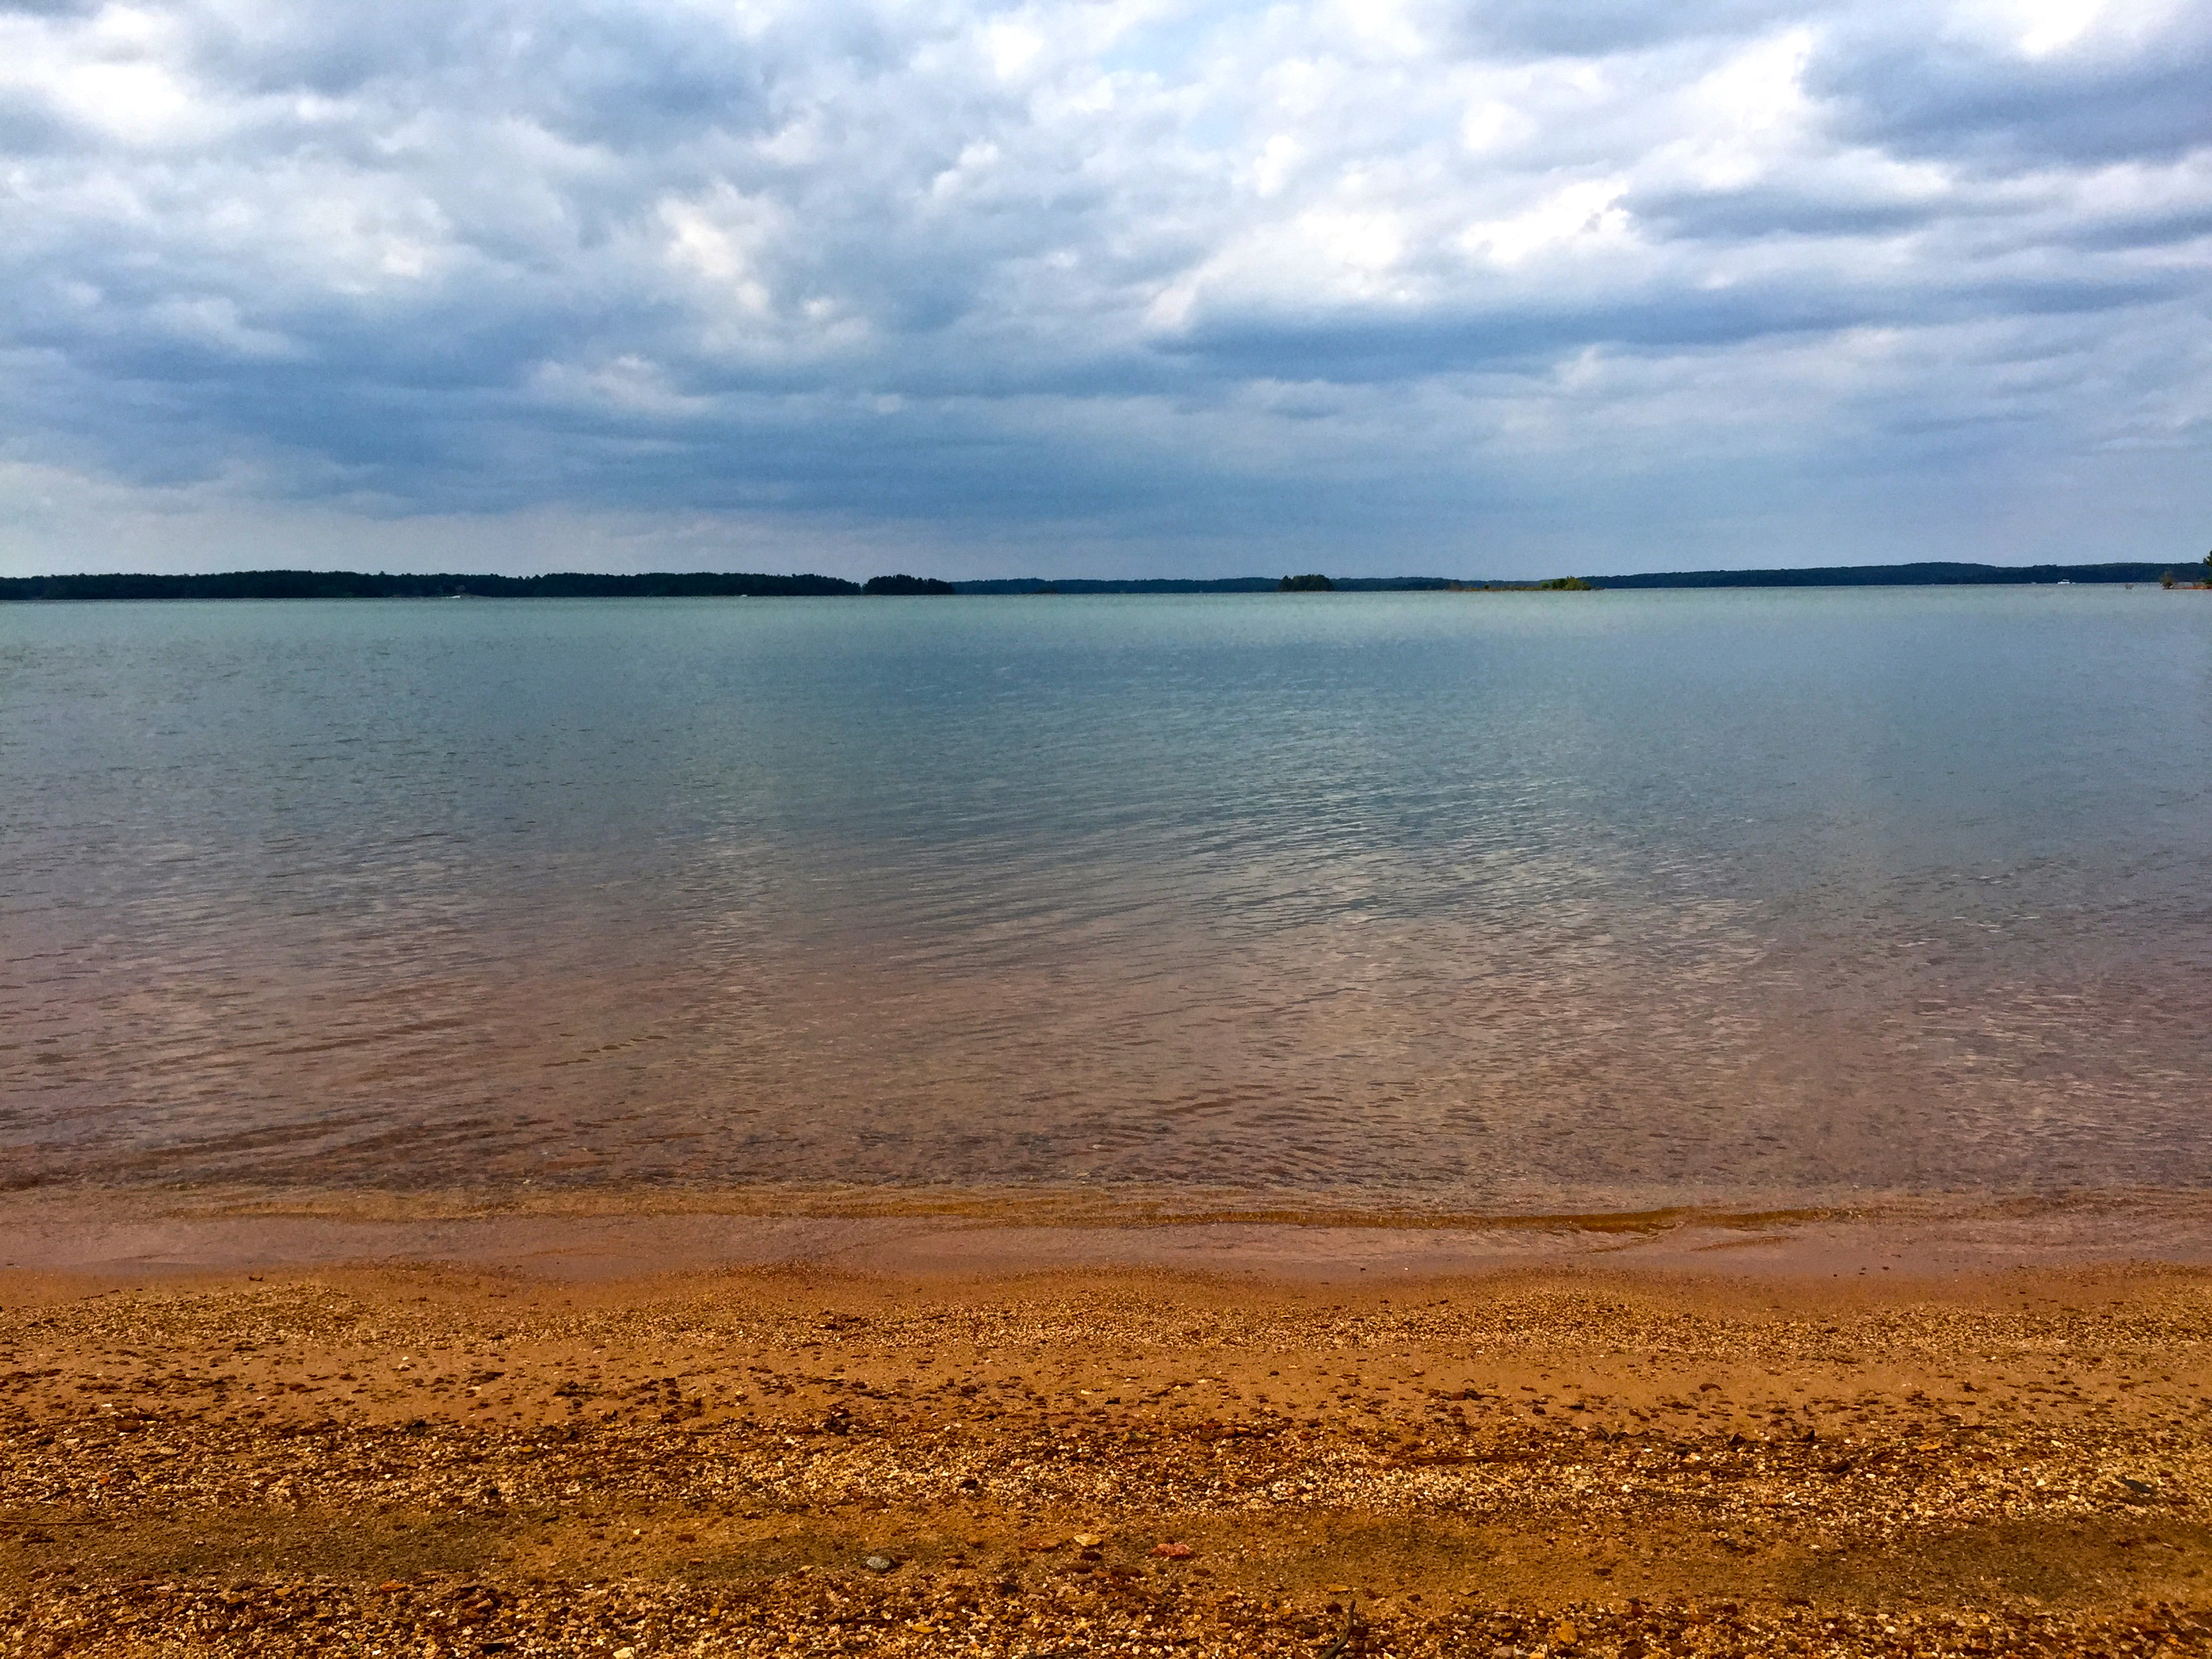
(1562, 1458)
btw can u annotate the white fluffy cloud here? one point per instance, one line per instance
(1113, 286)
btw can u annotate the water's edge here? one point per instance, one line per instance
(141, 1235)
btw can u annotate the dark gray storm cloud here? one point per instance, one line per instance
(1103, 286)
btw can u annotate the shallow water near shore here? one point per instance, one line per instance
(1418, 904)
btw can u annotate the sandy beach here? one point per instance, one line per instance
(1558, 1456)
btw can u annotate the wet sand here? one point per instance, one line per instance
(132, 1235)
(545, 1450)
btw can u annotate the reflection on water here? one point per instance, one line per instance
(1430, 902)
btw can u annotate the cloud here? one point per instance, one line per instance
(1114, 285)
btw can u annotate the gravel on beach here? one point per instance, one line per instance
(422, 1462)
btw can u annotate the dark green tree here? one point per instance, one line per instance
(1313, 584)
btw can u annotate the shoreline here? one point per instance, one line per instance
(133, 1235)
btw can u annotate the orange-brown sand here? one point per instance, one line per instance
(1556, 1459)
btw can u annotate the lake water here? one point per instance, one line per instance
(1440, 903)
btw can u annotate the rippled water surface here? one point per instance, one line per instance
(1445, 902)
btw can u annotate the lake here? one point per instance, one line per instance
(1438, 904)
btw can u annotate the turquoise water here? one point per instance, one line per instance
(1432, 902)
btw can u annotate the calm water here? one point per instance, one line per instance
(1454, 903)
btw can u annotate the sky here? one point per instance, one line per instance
(1108, 288)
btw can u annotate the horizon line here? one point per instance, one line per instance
(275, 584)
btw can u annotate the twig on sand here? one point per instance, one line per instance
(1336, 1648)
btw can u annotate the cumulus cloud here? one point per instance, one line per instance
(1104, 285)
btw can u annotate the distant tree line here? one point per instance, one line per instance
(356, 585)
(1018, 585)
(706, 584)
(1931, 574)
